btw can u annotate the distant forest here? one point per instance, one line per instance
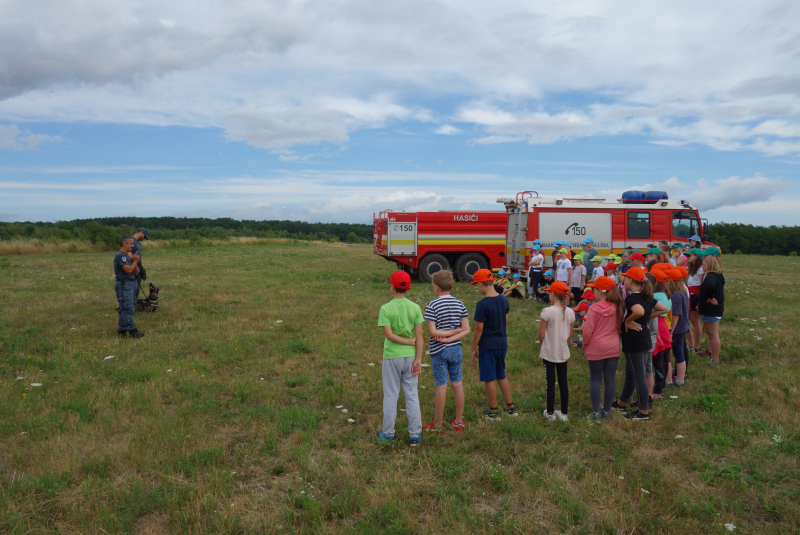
(108, 230)
(731, 237)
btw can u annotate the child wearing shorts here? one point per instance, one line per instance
(489, 343)
(448, 323)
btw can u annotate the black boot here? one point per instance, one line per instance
(122, 333)
(136, 333)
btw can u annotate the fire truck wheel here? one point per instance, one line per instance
(468, 264)
(430, 265)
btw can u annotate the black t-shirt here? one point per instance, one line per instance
(637, 341)
(491, 311)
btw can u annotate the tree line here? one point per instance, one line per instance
(108, 230)
(751, 239)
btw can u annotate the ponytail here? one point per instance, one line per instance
(615, 297)
(647, 288)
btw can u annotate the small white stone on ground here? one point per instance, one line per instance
(344, 411)
(36, 384)
(730, 527)
(351, 420)
(370, 364)
(109, 357)
(354, 374)
(339, 406)
(678, 436)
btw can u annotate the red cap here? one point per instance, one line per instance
(582, 306)
(482, 275)
(603, 283)
(588, 294)
(400, 280)
(636, 273)
(559, 287)
(636, 256)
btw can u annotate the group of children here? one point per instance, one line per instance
(637, 304)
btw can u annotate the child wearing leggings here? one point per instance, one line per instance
(680, 323)
(601, 344)
(555, 331)
(635, 335)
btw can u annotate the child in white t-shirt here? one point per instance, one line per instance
(555, 331)
(563, 267)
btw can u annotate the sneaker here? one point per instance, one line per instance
(656, 396)
(594, 417)
(561, 416)
(694, 349)
(383, 438)
(458, 428)
(706, 353)
(431, 427)
(551, 417)
(670, 383)
(712, 361)
(415, 440)
(512, 410)
(615, 407)
(136, 333)
(638, 417)
(679, 383)
(122, 333)
(492, 414)
(605, 415)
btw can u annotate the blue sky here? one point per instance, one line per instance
(262, 110)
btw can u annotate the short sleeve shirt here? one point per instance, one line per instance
(637, 341)
(577, 272)
(402, 316)
(122, 259)
(491, 311)
(562, 269)
(446, 312)
(555, 346)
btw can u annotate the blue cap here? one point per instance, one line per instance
(536, 247)
(558, 243)
(548, 273)
(589, 240)
(537, 241)
(696, 238)
(501, 272)
(516, 276)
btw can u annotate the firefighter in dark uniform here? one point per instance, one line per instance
(125, 270)
(141, 234)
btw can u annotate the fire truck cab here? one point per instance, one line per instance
(422, 243)
(614, 224)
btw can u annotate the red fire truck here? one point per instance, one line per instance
(423, 243)
(614, 224)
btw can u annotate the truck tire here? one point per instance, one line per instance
(467, 264)
(430, 265)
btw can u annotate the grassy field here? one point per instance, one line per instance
(224, 418)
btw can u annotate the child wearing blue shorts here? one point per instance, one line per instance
(448, 323)
(491, 315)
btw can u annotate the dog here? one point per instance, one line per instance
(151, 303)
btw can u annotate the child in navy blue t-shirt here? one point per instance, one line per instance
(489, 343)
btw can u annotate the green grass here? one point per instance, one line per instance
(224, 418)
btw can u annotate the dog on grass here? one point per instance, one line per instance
(151, 303)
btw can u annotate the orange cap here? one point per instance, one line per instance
(482, 275)
(636, 273)
(683, 270)
(602, 283)
(559, 287)
(659, 275)
(674, 274)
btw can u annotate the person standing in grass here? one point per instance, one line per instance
(663, 345)
(555, 331)
(695, 269)
(680, 325)
(401, 321)
(563, 267)
(125, 271)
(601, 345)
(535, 265)
(448, 323)
(577, 279)
(711, 305)
(489, 343)
(639, 307)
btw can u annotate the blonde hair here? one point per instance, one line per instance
(563, 299)
(676, 286)
(443, 279)
(712, 265)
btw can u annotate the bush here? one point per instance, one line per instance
(793, 253)
(738, 251)
(352, 238)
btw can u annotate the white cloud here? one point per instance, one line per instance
(735, 191)
(12, 137)
(255, 67)
(447, 130)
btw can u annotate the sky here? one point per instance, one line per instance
(326, 110)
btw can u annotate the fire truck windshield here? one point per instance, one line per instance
(685, 224)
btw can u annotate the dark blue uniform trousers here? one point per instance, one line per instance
(126, 296)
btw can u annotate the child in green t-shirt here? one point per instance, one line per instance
(401, 321)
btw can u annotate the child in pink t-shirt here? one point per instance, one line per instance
(555, 331)
(601, 343)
